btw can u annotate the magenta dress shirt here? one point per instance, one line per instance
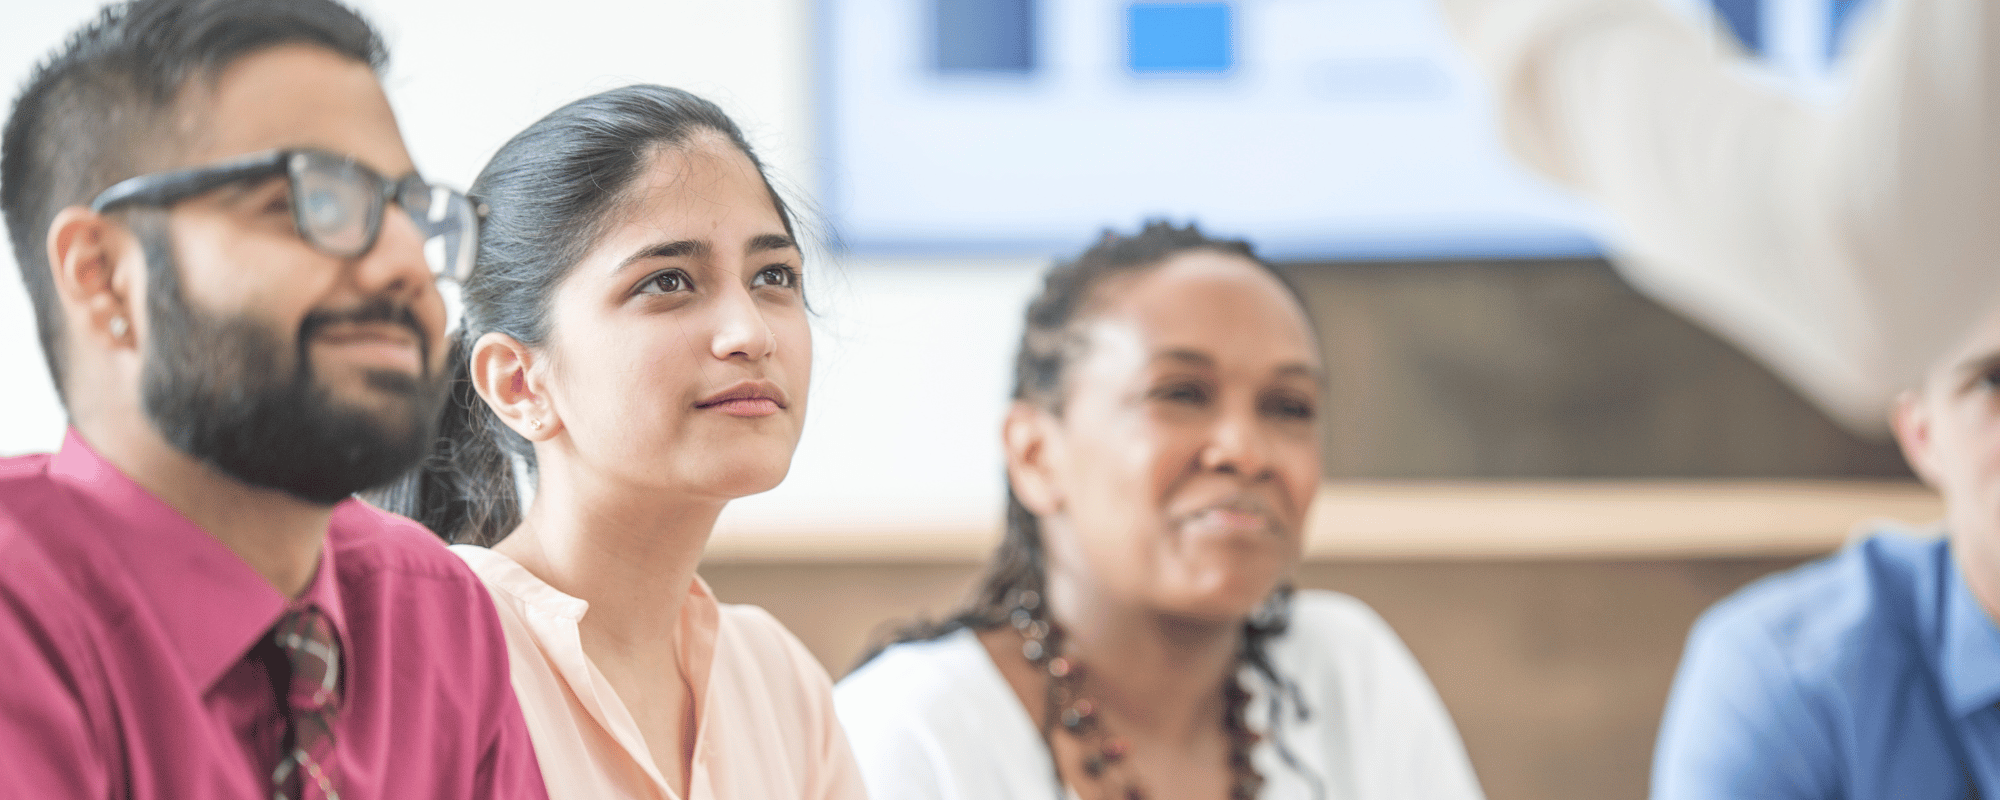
(125, 634)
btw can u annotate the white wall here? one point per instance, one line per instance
(912, 357)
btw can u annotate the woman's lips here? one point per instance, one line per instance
(1234, 519)
(746, 399)
(1238, 517)
(746, 407)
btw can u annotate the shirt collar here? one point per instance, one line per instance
(700, 613)
(1970, 660)
(552, 619)
(211, 603)
(323, 593)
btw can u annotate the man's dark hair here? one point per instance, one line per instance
(101, 109)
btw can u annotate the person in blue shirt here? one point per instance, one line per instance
(1873, 673)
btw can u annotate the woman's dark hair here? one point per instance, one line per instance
(1050, 342)
(551, 192)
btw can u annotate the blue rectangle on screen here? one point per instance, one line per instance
(983, 36)
(1180, 37)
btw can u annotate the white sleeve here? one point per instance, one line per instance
(1847, 247)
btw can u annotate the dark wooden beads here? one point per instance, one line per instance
(1066, 709)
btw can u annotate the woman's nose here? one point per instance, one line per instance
(741, 330)
(1237, 445)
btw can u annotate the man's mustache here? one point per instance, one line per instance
(377, 310)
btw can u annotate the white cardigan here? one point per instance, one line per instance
(936, 721)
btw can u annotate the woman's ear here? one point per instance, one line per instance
(1028, 434)
(502, 372)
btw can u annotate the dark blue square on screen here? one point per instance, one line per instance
(1179, 37)
(974, 36)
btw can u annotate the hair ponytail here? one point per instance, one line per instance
(464, 487)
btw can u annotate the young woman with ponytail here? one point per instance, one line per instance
(635, 334)
(1135, 635)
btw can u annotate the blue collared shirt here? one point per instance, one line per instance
(1872, 673)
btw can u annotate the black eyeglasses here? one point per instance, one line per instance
(337, 203)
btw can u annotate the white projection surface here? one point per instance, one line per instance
(1316, 128)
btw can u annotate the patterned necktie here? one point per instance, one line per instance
(311, 700)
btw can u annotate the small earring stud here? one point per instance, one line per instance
(535, 424)
(119, 327)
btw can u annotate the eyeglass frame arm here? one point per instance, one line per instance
(167, 188)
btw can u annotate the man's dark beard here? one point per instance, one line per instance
(221, 389)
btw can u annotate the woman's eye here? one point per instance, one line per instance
(1289, 408)
(665, 282)
(778, 275)
(1185, 393)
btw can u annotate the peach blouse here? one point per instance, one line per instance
(763, 707)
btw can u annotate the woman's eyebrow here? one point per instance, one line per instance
(676, 249)
(770, 241)
(1299, 369)
(1196, 358)
(1182, 355)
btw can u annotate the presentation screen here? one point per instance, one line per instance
(1319, 129)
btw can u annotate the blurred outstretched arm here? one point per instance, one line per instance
(1846, 246)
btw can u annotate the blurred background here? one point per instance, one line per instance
(1538, 475)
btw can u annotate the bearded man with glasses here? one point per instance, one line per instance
(233, 266)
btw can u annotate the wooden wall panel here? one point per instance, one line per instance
(1550, 369)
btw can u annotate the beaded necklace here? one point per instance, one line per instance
(1066, 708)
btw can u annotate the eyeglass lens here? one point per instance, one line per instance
(447, 221)
(340, 205)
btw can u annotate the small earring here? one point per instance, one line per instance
(119, 327)
(535, 424)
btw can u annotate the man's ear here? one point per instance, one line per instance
(503, 373)
(1027, 434)
(94, 263)
(1911, 421)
